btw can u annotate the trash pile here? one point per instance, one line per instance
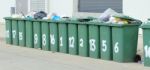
(37, 15)
(111, 16)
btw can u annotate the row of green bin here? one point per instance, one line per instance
(90, 39)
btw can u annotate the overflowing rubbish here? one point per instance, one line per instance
(107, 14)
(17, 16)
(54, 16)
(30, 15)
(40, 15)
(111, 16)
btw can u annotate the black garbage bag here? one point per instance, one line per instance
(40, 15)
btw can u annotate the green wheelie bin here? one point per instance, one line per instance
(37, 34)
(83, 43)
(8, 22)
(73, 37)
(124, 41)
(54, 36)
(29, 33)
(21, 27)
(94, 41)
(63, 36)
(45, 35)
(105, 41)
(146, 43)
(15, 34)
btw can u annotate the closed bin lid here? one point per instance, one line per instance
(146, 24)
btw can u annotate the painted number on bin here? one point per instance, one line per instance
(20, 36)
(147, 51)
(71, 42)
(7, 33)
(92, 45)
(44, 39)
(104, 46)
(14, 33)
(116, 48)
(61, 41)
(35, 38)
(81, 42)
(52, 39)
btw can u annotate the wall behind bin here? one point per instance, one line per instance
(61, 7)
(138, 9)
(5, 8)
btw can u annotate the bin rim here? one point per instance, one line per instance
(10, 18)
(145, 26)
(77, 22)
(122, 25)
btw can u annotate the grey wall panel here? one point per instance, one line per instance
(21, 6)
(99, 5)
(37, 5)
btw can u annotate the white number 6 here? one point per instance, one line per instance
(116, 48)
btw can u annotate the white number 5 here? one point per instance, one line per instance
(104, 46)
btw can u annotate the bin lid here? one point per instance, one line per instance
(10, 18)
(145, 26)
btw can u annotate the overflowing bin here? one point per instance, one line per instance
(146, 43)
(124, 42)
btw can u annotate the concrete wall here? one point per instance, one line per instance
(5, 8)
(137, 8)
(61, 7)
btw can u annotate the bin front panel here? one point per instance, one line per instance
(72, 39)
(8, 31)
(124, 43)
(54, 37)
(63, 38)
(94, 43)
(105, 40)
(146, 41)
(29, 34)
(83, 40)
(22, 39)
(15, 35)
(45, 36)
(37, 35)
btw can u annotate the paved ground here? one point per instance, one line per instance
(21, 58)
